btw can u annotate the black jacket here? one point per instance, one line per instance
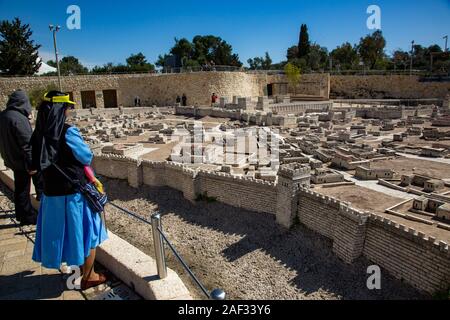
(55, 184)
(15, 132)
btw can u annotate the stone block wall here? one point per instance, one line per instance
(153, 89)
(389, 87)
(416, 258)
(405, 253)
(241, 192)
(112, 166)
(315, 84)
(318, 212)
(349, 234)
(162, 89)
(173, 175)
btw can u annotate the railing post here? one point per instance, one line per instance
(159, 246)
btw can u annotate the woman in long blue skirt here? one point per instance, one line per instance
(67, 229)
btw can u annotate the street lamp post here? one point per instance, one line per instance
(412, 53)
(55, 29)
(446, 40)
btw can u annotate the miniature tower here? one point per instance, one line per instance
(291, 177)
(446, 105)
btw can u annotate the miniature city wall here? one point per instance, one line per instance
(247, 193)
(405, 253)
(162, 89)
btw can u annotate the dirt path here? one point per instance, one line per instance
(243, 252)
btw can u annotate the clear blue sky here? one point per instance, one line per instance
(112, 30)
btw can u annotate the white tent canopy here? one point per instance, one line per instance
(44, 68)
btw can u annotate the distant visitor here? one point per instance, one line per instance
(137, 101)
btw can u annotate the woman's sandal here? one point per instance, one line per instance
(86, 284)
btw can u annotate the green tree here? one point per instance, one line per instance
(68, 66)
(260, 63)
(161, 62)
(292, 53)
(371, 49)
(422, 56)
(400, 59)
(183, 49)
(345, 57)
(317, 58)
(110, 68)
(202, 50)
(37, 94)
(18, 53)
(303, 43)
(138, 62)
(293, 74)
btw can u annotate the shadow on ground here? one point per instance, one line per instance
(307, 253)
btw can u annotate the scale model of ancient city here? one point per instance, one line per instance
(268, 187)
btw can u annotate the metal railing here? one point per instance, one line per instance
(158, 242)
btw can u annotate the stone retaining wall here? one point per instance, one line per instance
(405, 253)
(162, 89)
(387, 87)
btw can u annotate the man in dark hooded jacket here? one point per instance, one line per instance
(15, 148)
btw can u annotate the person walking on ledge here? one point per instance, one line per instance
(15, 148)
(67, 229)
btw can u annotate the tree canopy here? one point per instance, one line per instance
(303, 42)
(345, 56)
(68, 66)
(18, 53)
(260, 63)
(371, 49)
(135, 63)
(202, 50)
(138, 63)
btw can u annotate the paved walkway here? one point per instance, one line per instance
(373, 185)
(23, 279)
(412, 156)
(20, 277)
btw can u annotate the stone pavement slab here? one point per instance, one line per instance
(23, 279)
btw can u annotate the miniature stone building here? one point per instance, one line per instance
(364, 173)
(420, 203)
(126, 149)
(414, 131)
(323, 175)
(433, 152)
(433, 185)
(443, 212)
(158, 139)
